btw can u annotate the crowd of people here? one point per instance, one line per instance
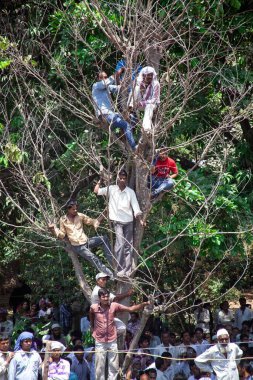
(218, 345)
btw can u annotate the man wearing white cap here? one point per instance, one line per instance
(59, 369)
(221, 358)
(101, 280)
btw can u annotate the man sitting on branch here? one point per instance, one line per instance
(72, 228)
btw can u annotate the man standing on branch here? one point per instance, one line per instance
(123, 205)
(72, 227)
(104, 332)
(221, 358)
(163, 171)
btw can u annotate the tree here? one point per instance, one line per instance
(53, 145)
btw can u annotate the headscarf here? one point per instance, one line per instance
(57, 345)
(24, 335)
(153, 88)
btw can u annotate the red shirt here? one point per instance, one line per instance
(165, 168)
(104, 325)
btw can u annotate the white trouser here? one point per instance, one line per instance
(100, 360)
(148, 115)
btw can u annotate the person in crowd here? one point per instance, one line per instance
(72, 227)
(65, 317)
(245, 369)
(202, 316)
(144, 352)
(105, 108)
(123, 207)
(58, 369)
(185, 343)
(18, 295)
(79, 365)
(145, 96)
(152, 373)
(72, 375)
(201, 344)
(26, 362)
(56, 334)
(163, 172)
(166, 345)
(225, 316)
(43, 308)
(104, 332)
(214, 358)
(154, 339)
(242, 314)
(23, 310)
(160, 366)
(134, 369)
(133, 323)
(84, 322)
(5, 356)
(6, 326)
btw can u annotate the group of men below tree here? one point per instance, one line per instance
(163, 357)
(123, 208)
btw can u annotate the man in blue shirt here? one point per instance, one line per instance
(101, 92)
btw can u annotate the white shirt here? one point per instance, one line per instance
(94, 295)
(3, 367)
(160, 375)
(241, 316)
(213, 360)
(159, 350)
(201, 347)
(225, 318)
(122, 204)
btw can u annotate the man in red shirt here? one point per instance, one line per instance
(163, 170)
(104, 332)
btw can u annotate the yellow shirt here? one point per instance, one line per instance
(74, 229)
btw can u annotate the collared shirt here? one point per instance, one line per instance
(213, 360)
(59, 371)
(74, 230)
(24, 365)
(104, 326)
(3, 366)
(94, 295)
(160, 349)
(6, 327)
(122, 203)
(80, 369)
(101, 95)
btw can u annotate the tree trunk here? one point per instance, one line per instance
(46, 361)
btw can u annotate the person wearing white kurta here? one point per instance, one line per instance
(221, 358)
(243, 313)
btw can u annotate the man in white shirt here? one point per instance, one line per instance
(221, 358)
(201, 344)
(123, 207)
(243, 313)
(5, 357)
(202, 316)
(165, 346)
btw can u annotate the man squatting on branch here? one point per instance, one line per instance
(122, 204)
(105, 108)
(104, 332)
(145, 96)
(72, 227)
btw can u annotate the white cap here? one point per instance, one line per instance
(222, 332)
(101, 275)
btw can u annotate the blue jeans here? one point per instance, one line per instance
(116, 121)
(161, 184)
(84, 251)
